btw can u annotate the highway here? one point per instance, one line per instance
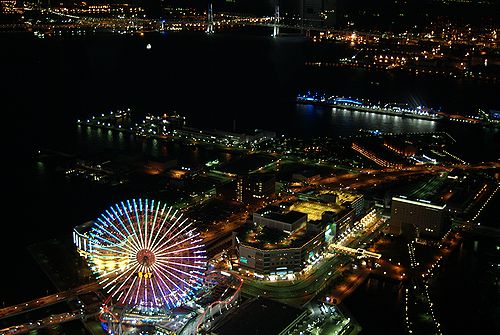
(47, 300)
(45, 322)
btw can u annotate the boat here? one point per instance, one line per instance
(364, 105)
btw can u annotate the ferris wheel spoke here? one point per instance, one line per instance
(180, 271)
(109, 249)
(131, 224)
(190, 237)
(186, 257)
(129, 271)
(107, 274)
(111, 223)
(181, 250)
(145, 221)
(153, 225)
(162, 224)
(137, 291)
(159, 275)
(185, 293)
(123, 283)
(174, 236)
(120, 295)
(162, 275)
(173, 223)
(118, 216)
(184, 227)
(129, 289)
(103, 225)
(186, 246)
(102, 229)
(181, 264)
(97, 236)
(138, 221)
(153, 291)
(129, 235)
(166, 299)
(118, 242)
(112, 245)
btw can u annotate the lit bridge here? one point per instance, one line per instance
(48, 300)
(359, 253)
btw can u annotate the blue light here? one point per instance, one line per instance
(356, 102)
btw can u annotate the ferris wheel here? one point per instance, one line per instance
(145, 253)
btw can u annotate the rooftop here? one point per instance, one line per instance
(314, 209)
(261, 316)
(288, 217)
(419, 202)
(268, 239)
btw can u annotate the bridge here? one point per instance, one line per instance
(49, 321)
(359, 253)
(47, 300)
(275, 22)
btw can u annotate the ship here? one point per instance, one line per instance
(365, 105)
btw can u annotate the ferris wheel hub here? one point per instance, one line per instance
(146, 257)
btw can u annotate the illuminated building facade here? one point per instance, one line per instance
(341, 221)
(358, 205)
(81, 238)
(255, 187)
(280, 261)
(248, 188)
(416, 218)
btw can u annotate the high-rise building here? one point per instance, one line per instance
(249, 188)
(415, 218)
(255, 187)
(358, 205)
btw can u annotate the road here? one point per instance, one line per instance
(42, 323)
(48, 300)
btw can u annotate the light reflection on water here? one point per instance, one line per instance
(342, 122)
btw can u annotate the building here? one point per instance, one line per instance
(305, 175)
(279, 242)
(340, 221)
(357, 204)
(287, 222)
(416, 218)
(264, 260)
(249, 188)
(81, 238)
(255, 187)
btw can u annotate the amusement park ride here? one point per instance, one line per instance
(150, 261)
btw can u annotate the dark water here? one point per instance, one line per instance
(470, 303)
(248, 79)
(376, 306)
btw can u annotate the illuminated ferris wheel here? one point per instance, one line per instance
(146, 254)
